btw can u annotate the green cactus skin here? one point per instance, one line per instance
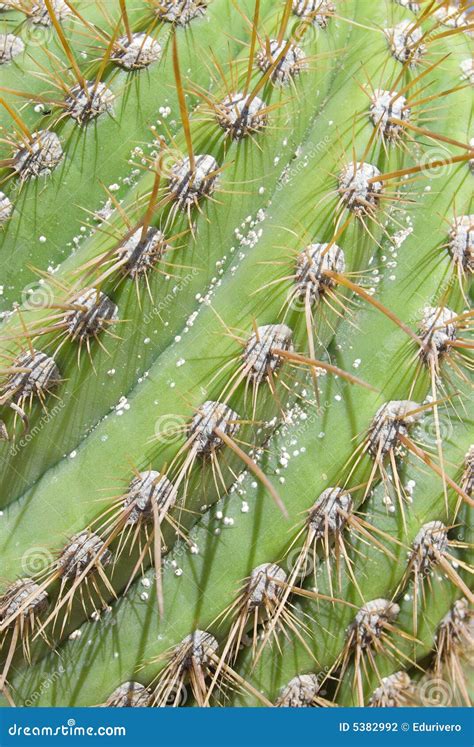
(192, 360)
(244, 277)
(105, 146)
(195, 268)
(378, 579)
(182, 588)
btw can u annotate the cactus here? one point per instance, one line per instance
(235, 351)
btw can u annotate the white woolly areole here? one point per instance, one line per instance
(10, 47)
(430, 542)
(461, 242)
(457, 618)
(37, 373)
(300, 692)
(316, 11)
(438, 329)
(413, 6)
(85, 105)
(391, 421)
(39, 13)
(468, 476)
(181, 12)
(129, 695)
(404, 41)
(370, 621)
(83, 549)
(259, 358)
(330, 512)
(467, 70)
(391, 690)
(188, 186)
(240, 118)
(312, 264)
(198, 649)
(289, 65)
(91, 312)
(386, 105)
(135, 54)
(212, 415)
(451, 16)
(16, 595)
(264, 584)
(140, 255)
(39, 157)
(6, 208)
(359, 193)
(145, 490)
